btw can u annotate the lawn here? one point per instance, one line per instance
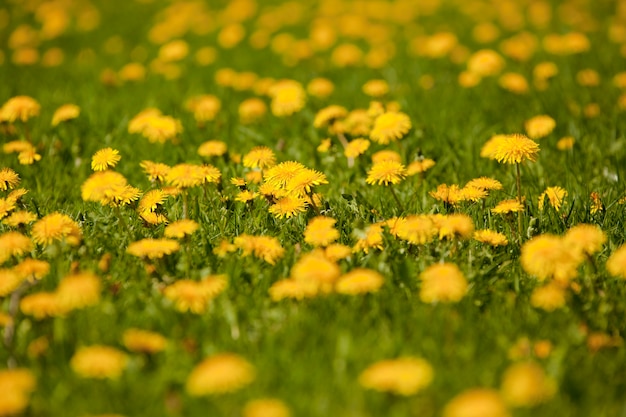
(336, 208)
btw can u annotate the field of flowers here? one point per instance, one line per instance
(312, 208)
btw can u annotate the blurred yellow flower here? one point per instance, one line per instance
(403, 376)
(105, 158)
(476, 402)
(64, 113)
(442, 283)
(222, 373)
(100, 362)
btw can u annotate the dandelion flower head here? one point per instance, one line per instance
(222, 373)
(105, 158)
(403, 376)
(386, 172)
(442, 283)
(389, 127)
(516, 148)
(100, 362)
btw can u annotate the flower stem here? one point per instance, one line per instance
(312, 202)
(184, 203)
(519, 198)
(120, 218)
(395, 196)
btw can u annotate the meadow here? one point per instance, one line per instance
(312, 208)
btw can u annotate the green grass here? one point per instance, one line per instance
(310, 353)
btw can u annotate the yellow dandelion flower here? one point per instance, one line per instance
(180, 228)
(336, 251)
(151, 201)
(547, 256)
(288, 206)
(403, 376)
(386, 155)
(356, 147)
(143, 341)
(56, 226)
(185, 175)
(516, 148)
(77, 291)
(491, 146)
(616, 264)
(303, 181)
(293, 289)
(194, 296)
(545, 70)
(14, 244)
(375, 88)
(370, 238)
(514, 83)
(415, 229)
(442, 283)
(526, 385)
(9, 179)
(321, 231)
(17, 146)
(6, 206)
(555, 196)
(279, 175)
(359, 281)
(565, 143)
(473, 194)
(491, 237)
(508, 206)
(153, 248)
(259, 157)
(448, 194)
(315, 267)
(245, 196)
(389, 127)
(539, 126)
(212, 148)
(385, 173)
(152, 218)
(485, 63)
(265, 247)
(327, 115)
(28, 156)
(320, 87)
(476, 402)
(100, 362)
(420, 166)
(19, 108)
(15, 195)
(266, 407)
(105, 158)
(358, 123)
(454, 226)
(160, 129)
(288, 97)
(32, 269)
(204, 107)
(224, 248)
(133, 71)
(251, 110)
(64, 113)
(102, 185)
(117, 196)
(155, 171)
(9, 281)
(485, 183)
(220, 374)
(548, 297)
(16, 386)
